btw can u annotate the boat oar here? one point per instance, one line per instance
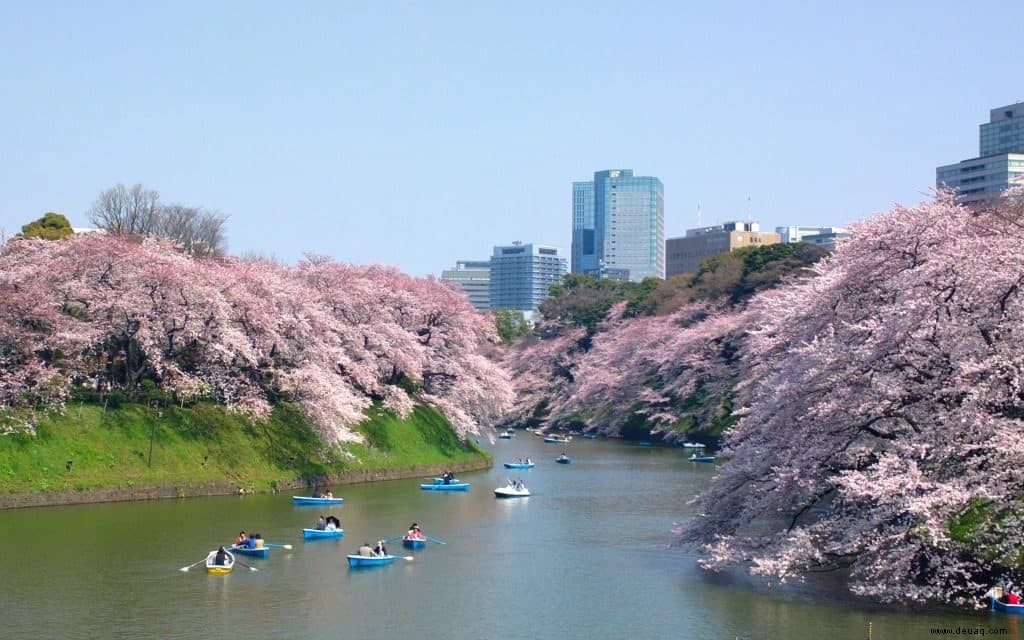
(435, 540)
(393, 538)
(247, 566)
(274, 545)
(192, 565)
(409, 558)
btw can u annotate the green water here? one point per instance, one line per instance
(584, 557)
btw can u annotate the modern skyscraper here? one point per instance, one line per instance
(584, 254)
(522, 274)
(1000, 163)
(474, 277)
(625, 215)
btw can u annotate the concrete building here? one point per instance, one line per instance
(685, 254)
(822, 236)
(474, 277)
(1000, 161)
(522, 274)
(619, 225)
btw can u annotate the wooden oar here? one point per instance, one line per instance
(274, 545)
(435, 540)
(393, 538)
(192, 565)
(409, 558)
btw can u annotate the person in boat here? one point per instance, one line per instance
(380, 550)
(366, 550)
(221, 558)
(321, 524)
(241, 540)
(519, 485)
(528, 461)
(328, 495)
(316, 493)
(255, 541)
(414, 532)
(448, 477)
(333, 524)
(1012, 598)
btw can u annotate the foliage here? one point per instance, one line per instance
(207, 443)
(883, 413)
(604, 341)
(52, 226)
(510, 324)
(135, 210)
(108, 313)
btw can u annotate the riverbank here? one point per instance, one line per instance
(136, 452)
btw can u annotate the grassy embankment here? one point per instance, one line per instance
(88, 447)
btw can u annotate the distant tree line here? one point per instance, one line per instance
(136, 210)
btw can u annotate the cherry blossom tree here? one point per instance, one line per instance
(113, 311)
(882, 419)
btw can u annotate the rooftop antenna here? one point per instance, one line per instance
(748, 209)
(698, 215)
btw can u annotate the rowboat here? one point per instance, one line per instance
(512, 492)
(692, 445)
(508, 434)
(356, 560)
(696, 458)
(414, 543)
(219, 569)
(519, 465)
(999, 605)
(439, 485)
(311, 500)
(590, 436)
(262, 552)
(643, 443)
(555, 440)
(563, 459)
(322, 533)
(995, 595)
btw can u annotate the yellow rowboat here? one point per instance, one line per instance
(219, 569)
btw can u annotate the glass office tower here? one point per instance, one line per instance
(1000, 163)
(628, 227)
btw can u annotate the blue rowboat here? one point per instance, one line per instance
(643, 443)
(519, 465)
(563, 460)
(355, 560)
(696, 458)
(414, 543)
(253, 553)
(999, 605)
(439, 485)
(590, 436)
(310, 500)
(322, 533)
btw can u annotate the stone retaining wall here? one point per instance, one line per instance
(121, 494)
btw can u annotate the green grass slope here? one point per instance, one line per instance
(133, 445)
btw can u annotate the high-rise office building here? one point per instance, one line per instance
(625, 217)
(522, 274)
(1000, 163)
(584, 254)
(685, 254)
(474, 277)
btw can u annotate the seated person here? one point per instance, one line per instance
(1012, 598)
(328, 495)
(380, 550)
(221, 558)
(366, 551)
(316, 493)
(333, 524)
(241, 539)
(256, 541)
(321, 524)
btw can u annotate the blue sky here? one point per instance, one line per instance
(416, 133)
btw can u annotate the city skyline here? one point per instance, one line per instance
(356, 132)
